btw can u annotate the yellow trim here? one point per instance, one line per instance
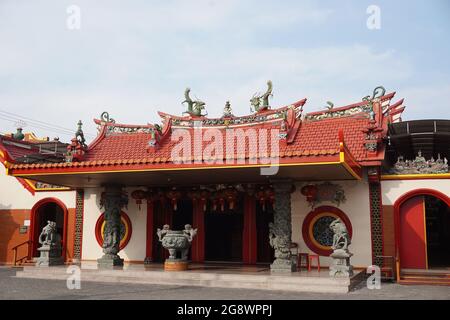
(415, 176)
(351, 171)
(345, 164)
(311, 225)
(176, 169)
(33, 186)
(2, 154)
(341, 152)
(341, 162)
(425, 232)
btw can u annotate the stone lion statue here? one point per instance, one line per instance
(48, 236)
(341, 238)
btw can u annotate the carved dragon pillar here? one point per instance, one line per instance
(113, 200)
(281, 229)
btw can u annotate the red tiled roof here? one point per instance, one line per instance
(17, 149)
(313, 138)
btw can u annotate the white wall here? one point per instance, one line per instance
(356, 208)
(394, 189)
(14, 196)
(135, 250)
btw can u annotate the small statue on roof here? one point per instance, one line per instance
(195, 107)
(330, 105)
(79, 135)
(260, 102)
(227, 111)
(377, 93)
(105, 117)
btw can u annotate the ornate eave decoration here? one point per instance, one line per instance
(327, 191)
(420, 165)
(365, 108)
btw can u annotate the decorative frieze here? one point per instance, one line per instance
(327, 191)
(420, 165)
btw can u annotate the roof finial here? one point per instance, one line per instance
(19, 134)
(263, 99)
(227, 111)
(79, 135)
(195, 107)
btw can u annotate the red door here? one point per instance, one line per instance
(413, 237)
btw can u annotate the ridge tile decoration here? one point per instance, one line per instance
(310, 138)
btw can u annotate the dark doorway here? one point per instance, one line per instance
(438, 232)
(264, 215)
(165, 213)
(183, 214)
(223, 235)
(49, 211)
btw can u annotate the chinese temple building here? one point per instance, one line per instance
(254, 187)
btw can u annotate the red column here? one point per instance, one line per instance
(249, 249)
(198, 222)
(150, 235)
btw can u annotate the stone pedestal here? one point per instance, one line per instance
(109, 261)
(341, 266)
(175, 265)
(49, 256)
(281, 228)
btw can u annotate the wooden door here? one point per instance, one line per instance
(413, 237)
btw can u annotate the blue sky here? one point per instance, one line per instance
(136, 57)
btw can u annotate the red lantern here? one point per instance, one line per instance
(231, 195)
(261, 196)
(310, 191)
(204, 195)
(138, 195)
(270, 195)
(174, 196)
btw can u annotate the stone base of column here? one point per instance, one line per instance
(109, 261)
(283, 265)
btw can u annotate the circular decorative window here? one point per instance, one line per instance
(316, 229)
(125, 229)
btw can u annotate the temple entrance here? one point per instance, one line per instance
(264, 215)
(424, 233)
(223, 235)
(438, 232)
(47, 210)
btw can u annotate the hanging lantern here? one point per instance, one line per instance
(204, 195)
(231, 195)
(261, 196)
(310, 192)
(174, 196)
(138, 195)
(270, 196)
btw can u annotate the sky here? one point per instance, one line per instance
(134, 58)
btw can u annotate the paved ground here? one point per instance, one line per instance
(22, 288)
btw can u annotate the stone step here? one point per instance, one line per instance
(292, 282)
